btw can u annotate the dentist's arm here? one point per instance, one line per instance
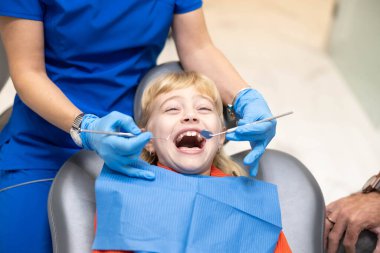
(197, 53)
(24, 43)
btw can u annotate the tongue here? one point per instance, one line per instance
(188, 148)
(188, 142)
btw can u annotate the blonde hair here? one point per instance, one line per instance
(175, 81)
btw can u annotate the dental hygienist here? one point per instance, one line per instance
(72, 64)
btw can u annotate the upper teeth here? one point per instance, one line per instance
(189, 133)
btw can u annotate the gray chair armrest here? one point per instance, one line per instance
(301, 199)
(71, 204)
(366, 243)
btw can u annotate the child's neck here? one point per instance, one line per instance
(214, 172)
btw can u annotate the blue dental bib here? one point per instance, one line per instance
(178, 213)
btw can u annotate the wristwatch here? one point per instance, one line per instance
(373, 184)
(230, 107)
(75, 130)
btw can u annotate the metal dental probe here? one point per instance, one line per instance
(117, 133)
(208, 135)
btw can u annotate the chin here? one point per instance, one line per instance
(190, 168)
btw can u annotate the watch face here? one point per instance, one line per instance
(376, 184)
(75, 135)
(372, 184)
(367, 187)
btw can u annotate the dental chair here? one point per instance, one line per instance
(72, 197)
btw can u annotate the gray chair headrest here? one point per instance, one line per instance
(165, 68)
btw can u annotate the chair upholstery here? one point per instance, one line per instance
(301, 199)
(71, 204)
(366, 243)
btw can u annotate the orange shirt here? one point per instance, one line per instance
(282, 244)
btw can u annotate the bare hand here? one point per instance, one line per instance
(352, 215)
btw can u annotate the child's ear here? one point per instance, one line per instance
(149, 147)
(221, 140)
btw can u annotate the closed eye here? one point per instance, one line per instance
(171, 109)
(205, 109)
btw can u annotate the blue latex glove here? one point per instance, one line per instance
(250, 106)
(118, 152)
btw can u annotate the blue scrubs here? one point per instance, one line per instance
(23, 213)
(96, 52)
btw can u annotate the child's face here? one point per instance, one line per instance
(181, 114)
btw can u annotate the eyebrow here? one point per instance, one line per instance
(169, 98)
(181, 97)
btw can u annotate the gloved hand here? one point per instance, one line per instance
(119, 153)
(250, 106)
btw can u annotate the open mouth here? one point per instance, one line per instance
(190, 139)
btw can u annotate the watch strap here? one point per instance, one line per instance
(75, 130)
(230, 107)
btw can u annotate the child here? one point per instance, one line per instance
(175, 108)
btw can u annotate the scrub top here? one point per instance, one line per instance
(96, 51)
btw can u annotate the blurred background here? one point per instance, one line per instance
(318, 58)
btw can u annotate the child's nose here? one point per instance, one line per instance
(190, 118)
